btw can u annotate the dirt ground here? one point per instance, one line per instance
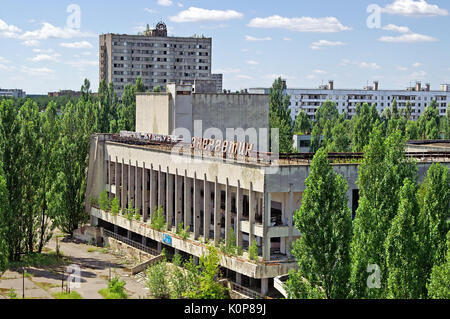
(94, 263)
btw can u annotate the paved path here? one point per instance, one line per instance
(95, 269)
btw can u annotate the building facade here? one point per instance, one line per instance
(155, 56)
(346, 100)
(14, 93)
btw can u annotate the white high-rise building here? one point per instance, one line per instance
(346, 100)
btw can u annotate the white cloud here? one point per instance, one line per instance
(77, 45)
(180, 5)
(414, 8)
(274, 76)
(8, 31)
(82, 64)
(50, 31)
(151, 11)
(45, 57)
(165, 3)
(396, 28)
(250, 38)
(303, 24)
(37, 71)
(325, 43)
(251, 62)
(361, 65)
(366, 65)
(287, 39)
(31, 43)
(417, 64)
(317, 71)
(3, 60)
(402, 68)
(244, 77)
(408, 38)
(194, 14)
(418, 75)
(227, 70)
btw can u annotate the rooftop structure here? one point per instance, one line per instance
(14, 93)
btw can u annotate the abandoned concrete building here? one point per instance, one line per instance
(217, 193)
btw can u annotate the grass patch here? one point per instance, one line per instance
(115, 290)
(40, 260)
(65, 295)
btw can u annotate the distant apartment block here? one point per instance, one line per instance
(15, 93)
(155, 56)
(346, 100)
(64, 93)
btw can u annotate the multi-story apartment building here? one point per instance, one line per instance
(346, 100)
(15, 93)
(155, 56)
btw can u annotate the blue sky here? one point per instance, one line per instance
(306, 42)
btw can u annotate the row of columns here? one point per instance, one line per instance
(172, 191)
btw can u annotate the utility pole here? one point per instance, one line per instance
(23, 282)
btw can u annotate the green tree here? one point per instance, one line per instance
(439, 285)
(208, 286)
(324, 220)
(364, 121)
(302, 123)
(157, 280)
(402, 246)
(434, 203)
(3, 217)
(297, 287)
(380, 178)
(280, 115)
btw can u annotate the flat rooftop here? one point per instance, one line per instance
(267, 159)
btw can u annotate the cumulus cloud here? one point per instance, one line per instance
(414, 8)
(37, 71)
(45, 57)
(361, 65)
(194, 14)
(408, 38)
(324, 43)
(251, 62)
(303, 24)
(244, 77)
(250, 38)
(31, 43)
(396, 28)
(165, 3)
(8, 30)
(77, 45)
(48, 30)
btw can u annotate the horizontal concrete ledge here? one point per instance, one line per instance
(238, 264)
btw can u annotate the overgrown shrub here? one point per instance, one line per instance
(104, 201)
(158, 219)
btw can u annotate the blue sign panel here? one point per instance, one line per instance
(167, 239)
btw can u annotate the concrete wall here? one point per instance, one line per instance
(234, 111)
(154, 113)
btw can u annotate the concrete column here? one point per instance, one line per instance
(267, 204)
(123, 204)
(144, 241)
(238, 278)
(207, 208)
(128, 234)
(145, 192)
(138, 193)
(169, 199)
(178, 199)
(110, 177)
(216, 212)
(116, 229)
(131, 181)
(153, 191)
(290, 223)
(187, 201)
(264, 286)
(162, 190)
(227, 210)
(196, 260)
(251, 212)
(197, 206)
(239, 207)
(117, 177)
(159, 247)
